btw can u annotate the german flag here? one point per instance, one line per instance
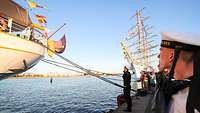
(41, 19)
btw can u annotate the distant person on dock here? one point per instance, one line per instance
(178, 91)
(143, 80)
(150, 81)
(127, 81)
(51, 80)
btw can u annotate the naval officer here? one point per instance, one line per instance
(127, 90)
(180, 91)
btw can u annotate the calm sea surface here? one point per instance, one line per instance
(65, 95)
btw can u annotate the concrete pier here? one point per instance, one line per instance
(139, 104)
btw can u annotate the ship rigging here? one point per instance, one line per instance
(138, 47)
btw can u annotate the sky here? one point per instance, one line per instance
(95, 28)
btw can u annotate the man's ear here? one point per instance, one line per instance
(171, 57)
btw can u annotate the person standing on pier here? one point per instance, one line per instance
(127, 90)
(143, 79)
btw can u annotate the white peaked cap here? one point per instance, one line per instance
(186, 38)
(188, 42)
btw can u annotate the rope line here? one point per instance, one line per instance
(58, 62)
(62, 66)
(86, 70)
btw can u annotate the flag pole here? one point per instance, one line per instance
(57, 30)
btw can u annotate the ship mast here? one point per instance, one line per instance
(139, 44)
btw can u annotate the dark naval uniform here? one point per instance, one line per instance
(127, 89)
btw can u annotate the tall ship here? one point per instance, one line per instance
(21, 45)
(139, 45)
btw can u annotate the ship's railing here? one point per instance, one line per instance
(25, 32)
(38, 37)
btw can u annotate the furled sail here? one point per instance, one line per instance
(20, 16)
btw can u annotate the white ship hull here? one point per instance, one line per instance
(18, 54)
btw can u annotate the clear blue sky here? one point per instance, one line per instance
(95, 27)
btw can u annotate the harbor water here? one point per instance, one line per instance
(84, 94)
